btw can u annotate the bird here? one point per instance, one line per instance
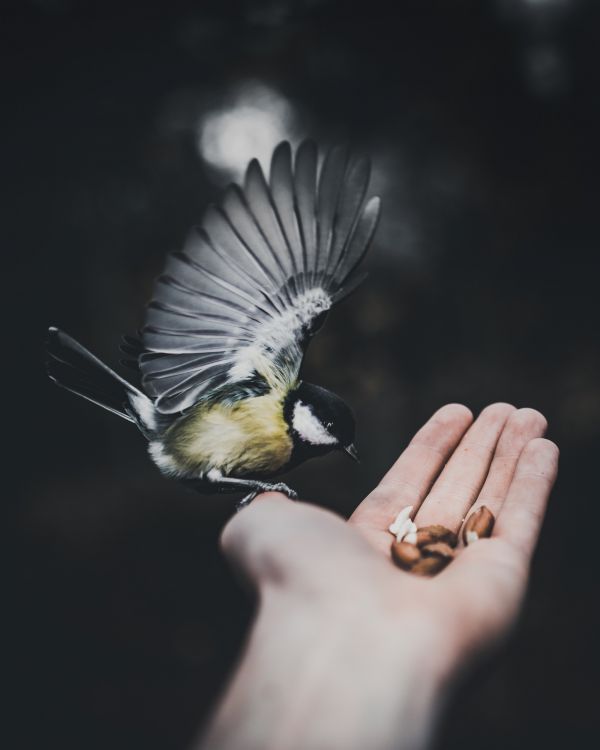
(221, 400)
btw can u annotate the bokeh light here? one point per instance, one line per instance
(250, 125)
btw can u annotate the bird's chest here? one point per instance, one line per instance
(248, 437)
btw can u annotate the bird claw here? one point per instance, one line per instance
(282, 487)
(265, 487)
(245, 501)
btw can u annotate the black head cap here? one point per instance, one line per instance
(319, 419)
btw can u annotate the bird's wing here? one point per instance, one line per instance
(236, 308)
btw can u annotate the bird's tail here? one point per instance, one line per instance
(73, 367)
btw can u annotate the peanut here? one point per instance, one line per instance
(478, 525)
(436, 533)
(405, 554)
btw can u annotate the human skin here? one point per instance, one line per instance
(347, 651)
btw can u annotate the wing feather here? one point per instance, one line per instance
(261, 204)
(282, 191)
(330, 185)
(234, 311)
(173, 295)
(247, 231)
(225, 241)
(305, 178)
(351, 197)
(358, 242)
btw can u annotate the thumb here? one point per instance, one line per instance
(251, 538)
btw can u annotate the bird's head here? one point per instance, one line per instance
(320, 421)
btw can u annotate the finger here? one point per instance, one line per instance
(522, 426)
(410, 478)
(489, 577)
(463, 476)
(249, 530)
(275, 538)
(522, 513)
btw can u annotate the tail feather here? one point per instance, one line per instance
(74, 368)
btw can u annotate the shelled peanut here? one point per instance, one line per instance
(479, 525)
(427, 550)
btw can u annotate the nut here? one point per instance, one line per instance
(405, 554)
(478, 525)
(438, 549)
(429, 566)
(411, 537)
(436, 533)
(435, 557)
(403, 525)
(400, 520)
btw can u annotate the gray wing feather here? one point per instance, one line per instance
(244, 261)
(305, 179)
(174, 295)
(358, 242)
(245, 226)
(330, 186)
(351, 197)
(282, 191)
(254, 279)
(262, 206)
(205, 253)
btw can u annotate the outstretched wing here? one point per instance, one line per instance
(236, 308)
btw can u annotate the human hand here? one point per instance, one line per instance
(499, 461)
(331, 598)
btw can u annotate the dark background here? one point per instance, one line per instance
(483, 121)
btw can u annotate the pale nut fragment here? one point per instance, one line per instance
(436, 533)
(403, 525)
(405, 554)
(398, 522)
(411, 537)
(478, 525)
(408, 532)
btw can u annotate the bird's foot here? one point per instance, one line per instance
(266, 487)
(245, 501)
(281, 487)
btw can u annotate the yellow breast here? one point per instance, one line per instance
(249, 436)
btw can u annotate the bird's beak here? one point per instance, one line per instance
(352, 452)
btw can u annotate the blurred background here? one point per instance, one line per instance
(482, 118)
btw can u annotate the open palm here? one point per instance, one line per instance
(452, 466)
(348, 651)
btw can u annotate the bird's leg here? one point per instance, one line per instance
(254, 485)
(258, 487)
(266, 487)
(245, 501)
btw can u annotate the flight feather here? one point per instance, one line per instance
(236, 308)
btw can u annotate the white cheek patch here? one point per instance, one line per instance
(308, 426)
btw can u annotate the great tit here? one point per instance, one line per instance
(221, 401)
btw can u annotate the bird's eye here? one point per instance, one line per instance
(329, 425)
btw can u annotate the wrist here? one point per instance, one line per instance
(396, 629)
(373, 676)
(338, 673)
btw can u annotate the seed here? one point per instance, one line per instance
(436, 533)
(405, 554)
(400, 520)
(478, 525)
(429, 566)
(438, 549)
